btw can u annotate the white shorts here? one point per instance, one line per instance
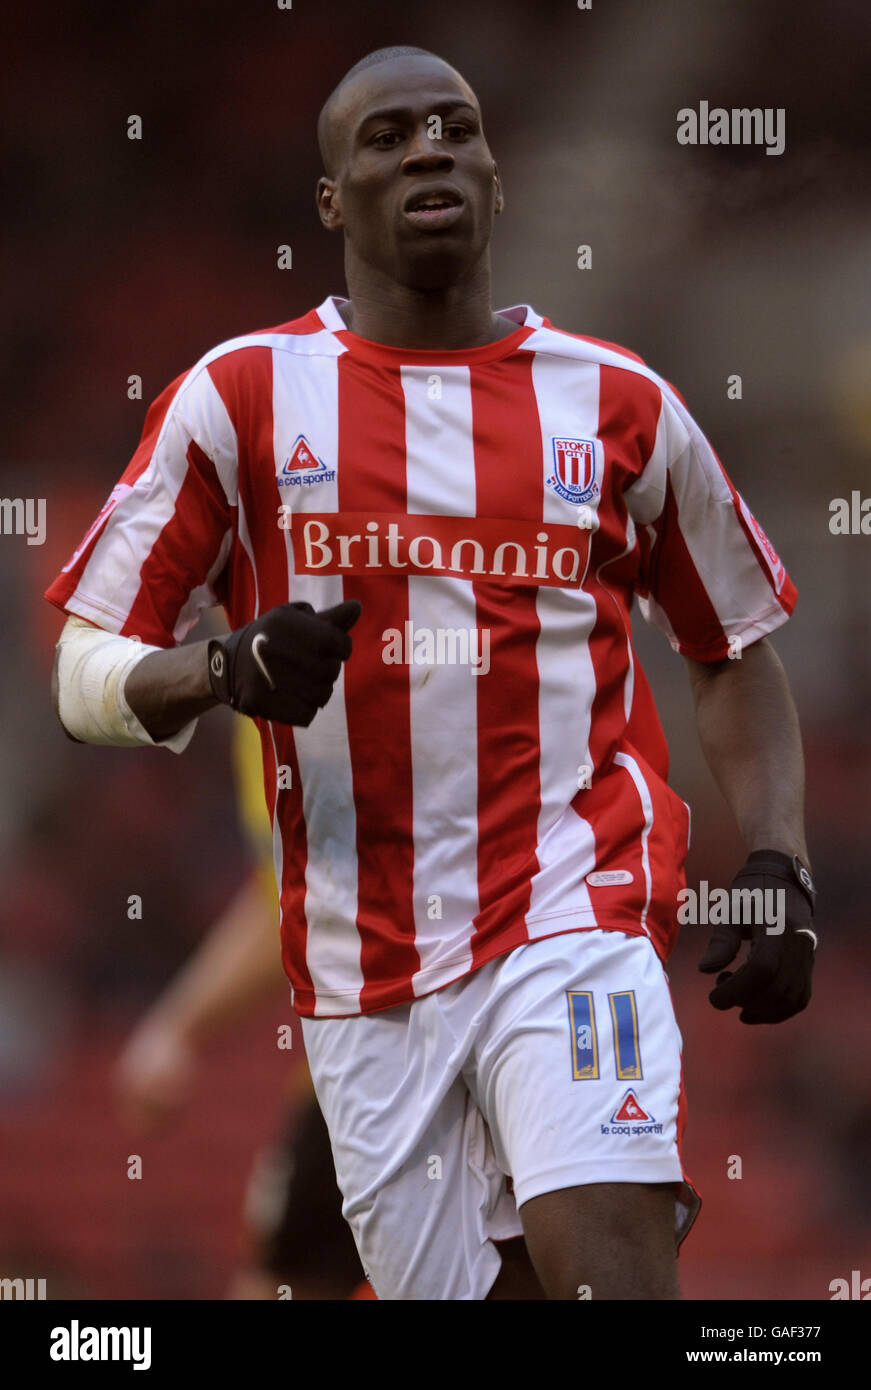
(555, 1065)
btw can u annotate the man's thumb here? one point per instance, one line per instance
(722, 948)
(342, 615)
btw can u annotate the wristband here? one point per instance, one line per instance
(775, 861)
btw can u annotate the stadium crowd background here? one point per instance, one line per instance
(128, 257)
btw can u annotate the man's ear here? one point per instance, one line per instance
(500, 197)
(327, 200)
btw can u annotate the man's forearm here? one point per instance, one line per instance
(168, 689)
(233, 968)
(749, 732)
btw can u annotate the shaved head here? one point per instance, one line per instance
(404, 127)
(331, 131)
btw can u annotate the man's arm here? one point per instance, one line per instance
(748, 728)
(94, 672)
(165, 691)
(281, 666)
(170, 688)
(235, 966)
(749, 732)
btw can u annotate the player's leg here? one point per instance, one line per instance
(517, 1279)
(414, 1161)
(577, 1070)
(604, 1241)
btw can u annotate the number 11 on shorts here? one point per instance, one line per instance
(585, 1042)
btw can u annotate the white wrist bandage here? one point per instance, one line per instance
(92, 669)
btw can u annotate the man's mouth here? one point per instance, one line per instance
(434, 208)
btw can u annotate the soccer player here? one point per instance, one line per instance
(477, 849)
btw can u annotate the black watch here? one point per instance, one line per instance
(803, 874)
(219, 674)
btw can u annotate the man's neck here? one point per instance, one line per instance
(460, 316)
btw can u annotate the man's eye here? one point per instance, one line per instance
(457, 132)
(386, 139)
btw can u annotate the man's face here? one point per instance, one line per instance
(415, 187)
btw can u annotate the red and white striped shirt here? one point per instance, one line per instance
(495, 507)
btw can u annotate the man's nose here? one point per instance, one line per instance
(426, 153)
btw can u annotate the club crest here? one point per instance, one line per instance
(574, 469)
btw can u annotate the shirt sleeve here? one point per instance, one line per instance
(150, 562)
(708, 574)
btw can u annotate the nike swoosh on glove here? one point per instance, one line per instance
(283, 665)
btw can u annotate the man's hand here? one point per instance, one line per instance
(154, 1077)
(283, 666)
(775, 981)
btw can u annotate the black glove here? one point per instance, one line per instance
(775, 981)
(284, 665)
